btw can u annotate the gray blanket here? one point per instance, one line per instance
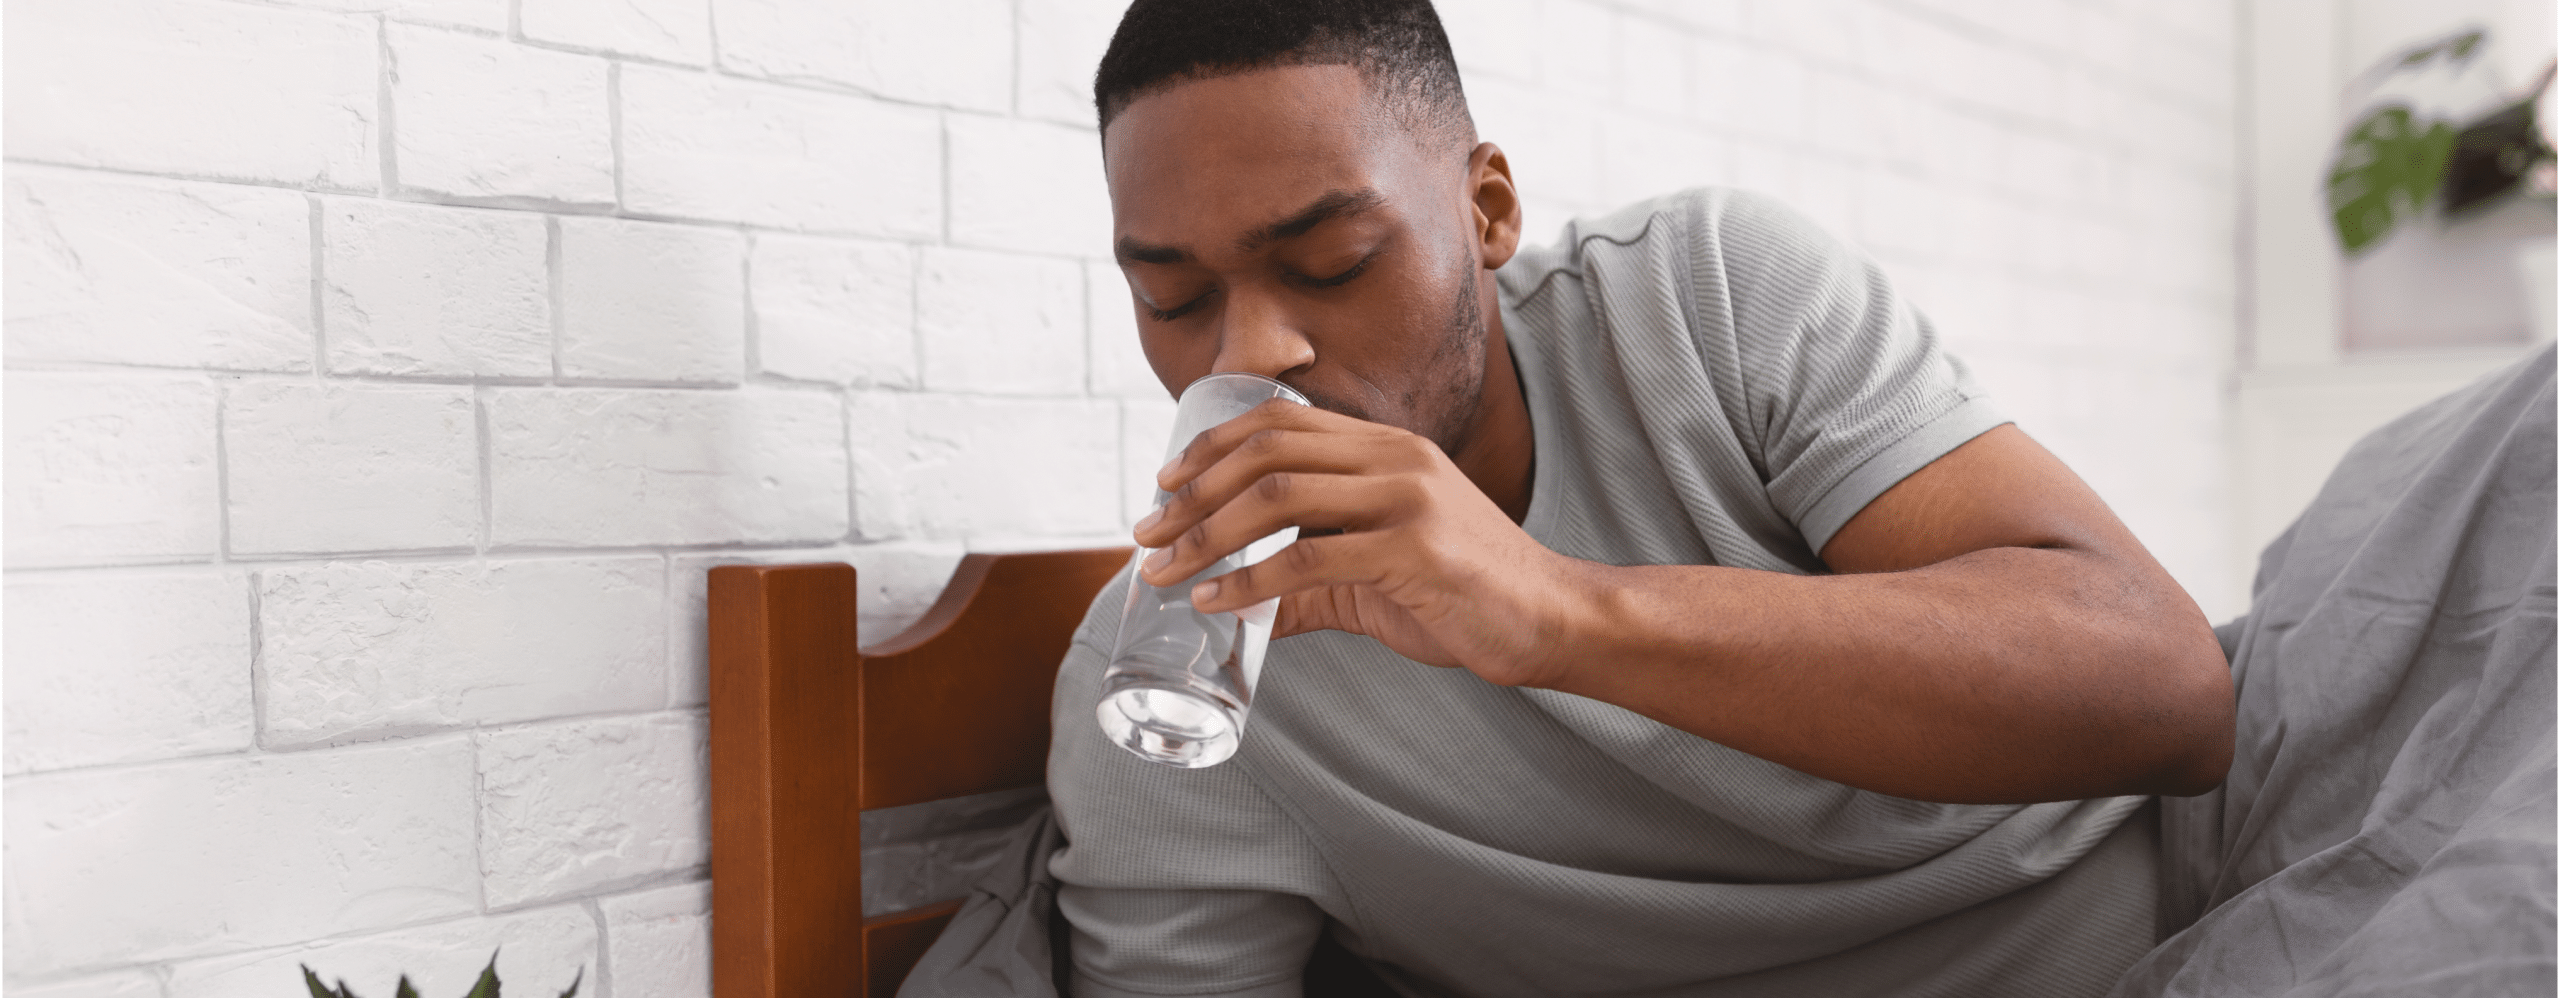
(2387, 826)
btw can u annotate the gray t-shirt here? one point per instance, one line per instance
(1711, 381)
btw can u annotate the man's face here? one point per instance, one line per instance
(1281, 222)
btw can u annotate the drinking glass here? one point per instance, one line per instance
(1181, 681)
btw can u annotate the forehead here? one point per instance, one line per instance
(1226, 153)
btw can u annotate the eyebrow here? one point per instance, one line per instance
(1333, 205)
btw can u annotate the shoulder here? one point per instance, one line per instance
(1720, 232)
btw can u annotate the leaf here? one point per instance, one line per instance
(2387, 170)
(319, 990)
(488, 984)
(405, 991)
(574, 982)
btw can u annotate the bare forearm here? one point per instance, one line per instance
(2005, 675)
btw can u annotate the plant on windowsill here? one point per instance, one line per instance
(486, 987)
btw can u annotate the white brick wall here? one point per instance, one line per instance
(436, 292)
(383, 376)
(641, 301)
(121, 668)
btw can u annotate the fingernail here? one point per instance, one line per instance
(1149, 520)
(1204, 592)
(1157, 561)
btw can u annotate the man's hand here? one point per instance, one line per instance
(1423, 562)
(1996, 635)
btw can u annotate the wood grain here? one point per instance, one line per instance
(959, 703)
(807, 732)
(786, 858)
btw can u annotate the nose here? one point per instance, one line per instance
(1259, 336)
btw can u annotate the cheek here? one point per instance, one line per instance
(1176, 360)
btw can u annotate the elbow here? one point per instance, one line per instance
(2198, 723)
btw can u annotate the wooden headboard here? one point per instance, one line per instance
(808, 731)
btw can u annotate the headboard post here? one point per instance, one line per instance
(786, 781)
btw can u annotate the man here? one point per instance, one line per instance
(1772, 660)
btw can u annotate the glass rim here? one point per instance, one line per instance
(1289, 393)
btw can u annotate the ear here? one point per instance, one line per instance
(1497, 205)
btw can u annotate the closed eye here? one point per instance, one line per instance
(1178, 311)
(1343, 278)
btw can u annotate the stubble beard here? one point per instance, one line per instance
(1439, 402)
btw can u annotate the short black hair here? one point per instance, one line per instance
(1397, 45)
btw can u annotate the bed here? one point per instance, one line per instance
(808, 731)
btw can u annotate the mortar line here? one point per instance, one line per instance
(382, 101)
(553, 272)
(754, 330)
(613, 119)
(319, 283)
(488, 487)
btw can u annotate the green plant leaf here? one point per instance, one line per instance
(405, 990)
(574, 982)
(2387, 170)
(319, 990)
(488, 984)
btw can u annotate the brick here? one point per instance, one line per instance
(1116, 365)
(638, 466)
(151, 863)
(1552, 144)
(834, 311)
(1757, 91)
(697, 146)
(1806, 28)
(1029, 186)
(643, 301)
(368, 649)
(124, 668)
(542, 952)
(1723, 17)
(1494, 38)
(424, 290)
(873, 46)
(1576, 49)
(222, 90)
(316, 468)
(476, 117)
(104, 469)
(1653, 67)
(1764, 168)
(1645, 159)
(573, 808)
(118, 271)
(1901, 213)
(997, 323)
(1146, 437)
(936, 466)
(668, 30)
(1061, 41)
(123, 984)
(661, 941)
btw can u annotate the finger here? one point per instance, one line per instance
(1340, 559)
(1310, 501)
(1265, 452)
(1210, 445)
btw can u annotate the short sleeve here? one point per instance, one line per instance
(1845, 388)
(1173, 881)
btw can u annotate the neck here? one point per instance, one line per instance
(1500, 450)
